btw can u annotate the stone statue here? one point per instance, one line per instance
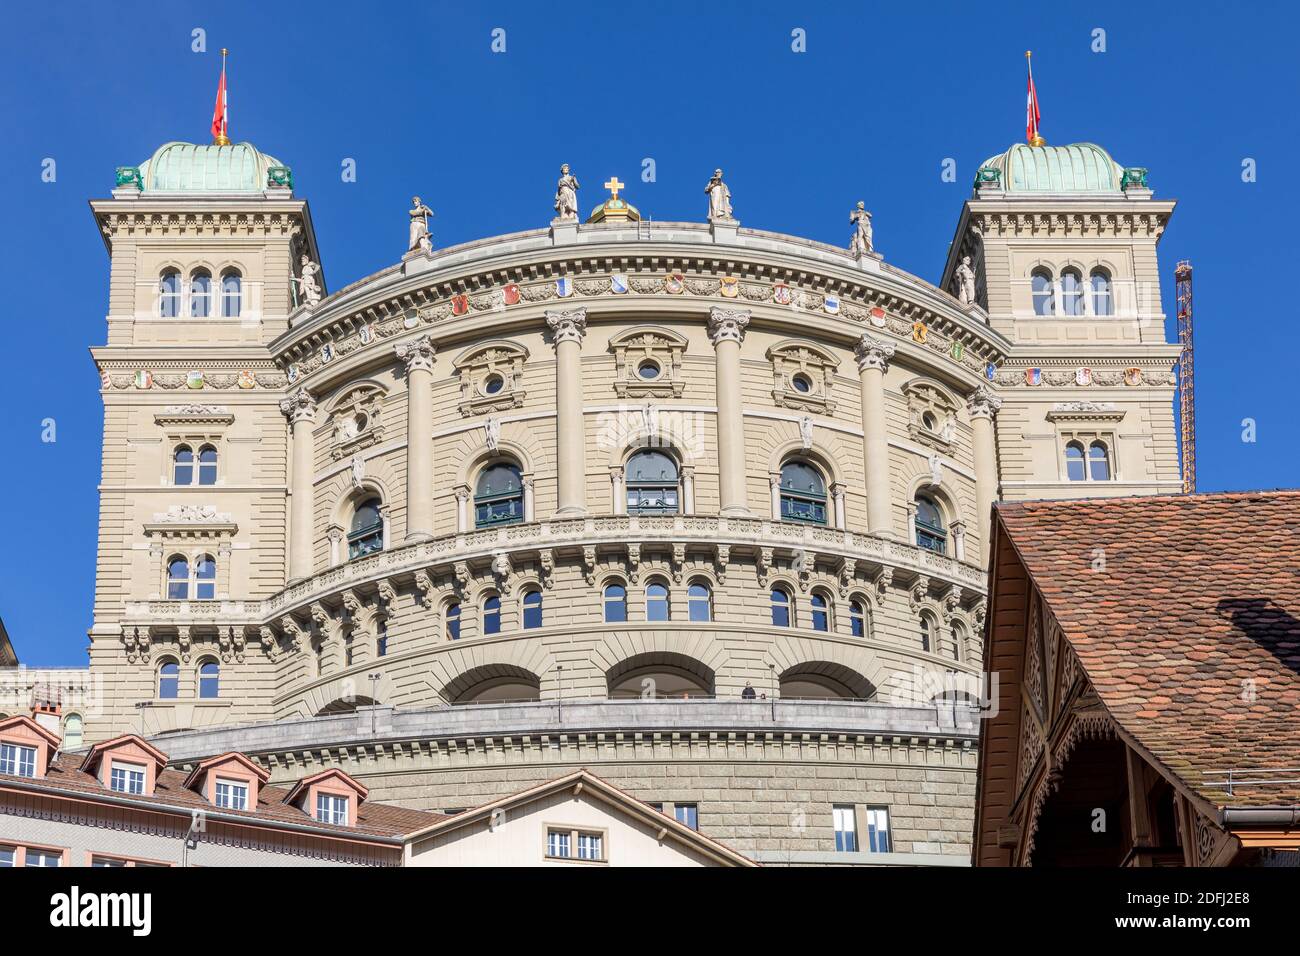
(719, 199)
(806, 432)
(420, 214)
(492, 428)
(965, 277)
(650, 415)
(358, 471)
(307, 286)
(949, 429)
(936, 470)
(860, 244)
(566, 196)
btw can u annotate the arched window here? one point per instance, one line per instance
(366, 533)
(1071, 292)
(1074, 469)
(927, 633)
(72, 728)
(200, 294)
(958, 640)
(209, 680)
(492, 614)
(169, 294)
(178, 579)
(656, 601)
(499, 496)
(1102, 301)
(615, 600)
(205, 578)
(930, 531)
(699, 602)
(1040, 281)
(651, 483)
(381, 639)
(207, 465)
(1098, 462)
(782, 615)
(183, 465)
(532, 609)
(803, 493)
(858, 617)
(453, 621)
(169, 680)
(821, 612)
(231, 286)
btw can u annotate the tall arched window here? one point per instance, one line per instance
(499, 496)
(169, 294)
(381, 639)
(532, 609)
(656, 601)
(782, 610)
(958, 640)
(651, 483)
(453, 621)
(1071, 292)
(231, 289)
(178, 579)
(200, 294)
(366, 533)
(492, 614)
(183, 465)
(930, 531)
(821, 612)
(699, 601)
(205, 578)
(72, 730)
(209, 680)
(1040, 281)
(1074, 469)
(207, 465)
(803, 493)
(1102, 300)
(928, 632)
(169, 680)
(615, 600)
(1098, 462)
(858, 617)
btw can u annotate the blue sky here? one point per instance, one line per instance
(414, 94)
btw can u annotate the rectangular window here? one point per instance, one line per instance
(106, 861)
(232, 795)
(877, 819)
(589, 846)
(126, 778)
(43, 858)
(557, 844)
(17, 760)
(332, 809)
(846, 831)
(7, 855)
(687, 813)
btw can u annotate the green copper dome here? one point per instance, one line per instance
(1077, 168)
(188, 168)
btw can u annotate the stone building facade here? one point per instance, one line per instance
(594, 464)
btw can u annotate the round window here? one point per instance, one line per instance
(802, 383)
(929, 421)
(648, 369)
(359, 423)
(493, 384)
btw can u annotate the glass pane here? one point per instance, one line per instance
(780, 609)
(656, 603)
(1042, 289)
(499, 480)
(1074, 462)
(615, 604)
(820, 614)
(453, 622)
(492, 615)
(533, 609)
(800, 476)
(1098, 463)
(651, 466)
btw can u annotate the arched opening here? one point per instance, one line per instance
(1074, 469)
(699, 601)
(1040, 281)
(200, 294)
(652, 483)
(178, 578)
(169, 680)
(499, 495)
(532, 606)
(1103, 302)
(1071, 292)
(169, 294)
(659, 675)
(208, 465)
(1092, 779)
(820, 606)
(493, 684)
(1098, 462)
(803, 493)
(657, 604)
(614, 600)
(931, 530)
(782, 607)
(366, 531)
(231, 289)
(823, 680)
(183, 465)
(209, 680)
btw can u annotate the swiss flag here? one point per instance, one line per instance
(220, 112)
(1032, 115)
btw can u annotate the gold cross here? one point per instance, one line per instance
(614, 186)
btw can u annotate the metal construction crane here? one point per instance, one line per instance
(1186, 377)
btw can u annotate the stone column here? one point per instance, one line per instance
(873, 359)
(568, 328)
(418, 354)
(837, 496)
(983, 407)
(300, 408)
(462, 508)
(620, 496)
(727, 331)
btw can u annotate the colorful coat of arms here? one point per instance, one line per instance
(459, 304)
(956, 350)
(618, 284)
(878, 317)
(247, 379)
(831, 303)
(194, 380)
(327, 352)
(919, 331)
(1132, 376)
(564, 287)
(510, 294)
(1083, 376)
(729, 286)
(782, 294)
(1033, 376)
(143, 379)
(293, 374)
(366, 334)
(990, 371)
(674, 283)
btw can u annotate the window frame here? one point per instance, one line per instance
(169, 302)
(1042, 300)
(160, 677)
(879, 840)
(532, 613)
(822, 614)
(929, 536)
(787, 604)
(490, 616)
(845, 825)
(131, 774)
(20, 761)
(205, 679)
(1104, 297)
(791, 499)
(368, 539)
(514, 498)
(200, 302)
(667, 489)
(233, 787)
(620, 602)
(332, 808)
(666, 601)
(693, 601)
(227, 296)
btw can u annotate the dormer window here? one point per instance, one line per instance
(127, 778)
(17, 760)
(332, 808)
(231, 795)
(229, 782)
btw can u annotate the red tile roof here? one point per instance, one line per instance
(1189, 630)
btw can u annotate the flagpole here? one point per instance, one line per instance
(1036, 139)
(222, 139)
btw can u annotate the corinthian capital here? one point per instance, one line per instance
(417, 354)
(567, 325)
(727, 325)
(873, 353)
(983, 403)
(299, 406)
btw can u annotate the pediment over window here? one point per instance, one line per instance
(491, 377)
(803, 376)
(931, 414)
(357, 416)
(194, 416)
(648, 362)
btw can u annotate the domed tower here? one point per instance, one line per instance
(1062, 241)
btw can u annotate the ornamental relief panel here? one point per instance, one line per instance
(803, 377)
(357, 421)
(491, 377)
(931, 415)
(648, 363)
